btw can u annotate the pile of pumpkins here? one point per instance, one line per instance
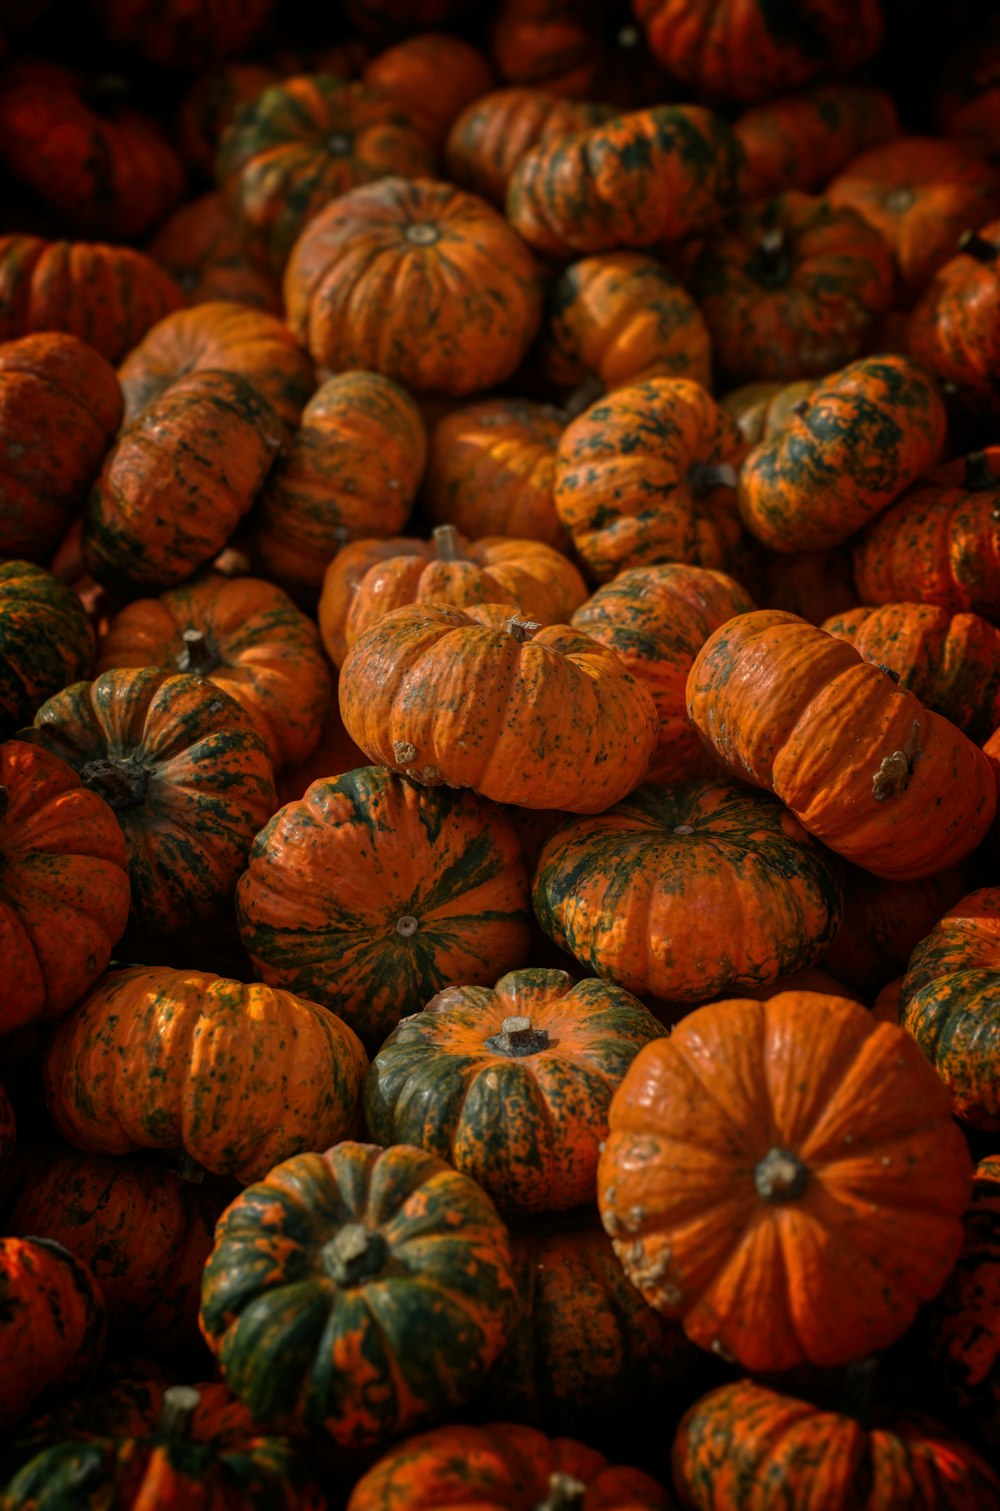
(500, 718)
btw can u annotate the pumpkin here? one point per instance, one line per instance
(954, 329)
(45, 640)
(239, 1077)
(552, 44)
(358, 1265)
(884, 921)
(762, 409)
(433, 77)
(501, 1467)
(791, 289)
(542, 717)
(416, 280)
(182, 33)
(859, 761)
(247, 638)
(815, 585)
(372, 893)
(745, 1445)
(650, 176)
(799, 141)
(107, 296)
(201, 251)
(335, 754)
(187, 775)
(352, 469)
(966, 103)
(178, 481)
(53, 1324)
(489, 137)
(64, 888)
(818, 1203)
(209, 104)
(648, 475)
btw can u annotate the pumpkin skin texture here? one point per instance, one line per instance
(45, 640)
(545, 718)
(862, 437)
(689, 855)
(647, 475)
(433, 77)
(521, 1110)
(200, 249)
(954, 329)
(187, 775)
(182, 33)
(416, 280)
(884, 921)
(371, 894)
(245, 636)
(54, 1324)
(799, 141)
(64, 888)
(656, 619)
(904, 794)
(743, 1445)
(239, 1077)
(357, 1265)
(773, 1238)
(493, 133)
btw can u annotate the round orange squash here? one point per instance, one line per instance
(200, 248)
(490, 136)
(954, 329)
(433, 77)
(53, 1325)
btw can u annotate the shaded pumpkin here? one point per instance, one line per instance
(199, 248)
(359, 1264)
(53, 1324)
(490, 136)
(884, 921)
(773, 1237)
(208, 105)
(815, 585)
(954, 329)
(45, 641)
(433, 77)
(552, 44)
(372, 893)
(799, 141)
(182, 33)
(968, 96)
(762, 409)
(238, 1077)
(335, 754)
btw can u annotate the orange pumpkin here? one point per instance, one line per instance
(490, 136)
(884, 921)
(335, 754)
(199, 248)
(208, 105)
(799, 141)
(955, 327)
(53, 1325)
(762, 409)
(433, 77)
(816, 585)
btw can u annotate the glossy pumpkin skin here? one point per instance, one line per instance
(744, 1445)
(656, 619)
(774, 1238)
(791, 289)
(107, 296)
(545, 718)
(416, 280)
(245, 636)
(182, 33)
(625, 892)
(859, 761)
(54, 1323)
(372, 893)
(178, 481)
(354, 1266)
(799, 141)
(433, 77)
(648, 475)
(954, 329)
(200, 249)
(45, 640)
(187, 775)
(884, 921)
(239, 1077)
(493, 133)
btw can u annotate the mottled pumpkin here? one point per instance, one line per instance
(200, 249)
(208, 105)
(492, 134)
(416, 280)
(372, 893)
(45, 641)
(954, 329)
(786, 1178)
(744, 1446)
(648, 474)
(182, 33)
(433, 77)
(238, 1077)
(357, 1266)
(53, 1323)
(863, 765)
(187, 775)
(799, 141)
(884, 921)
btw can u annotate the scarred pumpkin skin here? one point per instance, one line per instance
(187, 775)
(815, 1210)
(859, 761)
(799, 141)
(237, 1076)
(46, 640)
(416, 280)
(372, 893)
(861, 438)
(200, 249)
(358, 1265)
(53, 1325)
(954, 329)
(647, 475)
(493, 133)
(744, 1446)
(433, 77)
(884, 921)
(182, 33)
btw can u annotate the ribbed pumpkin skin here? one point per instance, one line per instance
(657, 619)
(187, 775)
(182, 33)
(627, 891)
(858, 760)
(64, 888)
(433, 77)
(500, 1467)
(416, 280)
(237, 1076)
(336, 882)
(490, 136)
(60, 406)
(762, 409)
(954, 329)
(351, 470)
(200, 249)
(255, 646)
(651, 176)
(646, 475)
(799, 141)
(302, 1330)
(178, 481)
(884, 921)
(744, 1446)
(864, 435)
(45, 640)
(825, 1259)
(473, 698)
(53, 1324)
(526, 1123)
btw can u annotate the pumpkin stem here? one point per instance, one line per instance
(447, 543)
(407, 925)
(771, 263)
(121, 783)
(705, 477)
(4, 802)
(974, 245)
(354, 1254)
(422, 233)
(180, 1402)
(521, 629)
(518, 1037)
(893, 776)
(780, 1176)
(565, 1494)
(859, 1390)
(979, 473)
(197, 655)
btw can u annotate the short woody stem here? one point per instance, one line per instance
(120, 783)
(565, 1494)
(521, 629)
(180, 1402)
(780, 1177)
(447, 543)
(518, 1037)
(354, 1254)
(196, 655)
(407, 926)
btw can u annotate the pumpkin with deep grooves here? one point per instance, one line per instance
(433, 77)
(53, 1323)
(490, 136)
(46, 641)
